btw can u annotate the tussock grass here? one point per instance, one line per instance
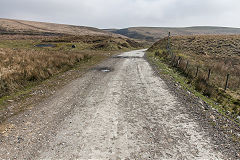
(19, 66)
(22, 63)
(218, 53)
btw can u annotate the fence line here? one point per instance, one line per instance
(176, 61)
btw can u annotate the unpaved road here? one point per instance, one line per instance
(123, 111)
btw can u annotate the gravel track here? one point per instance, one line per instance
(118, 110)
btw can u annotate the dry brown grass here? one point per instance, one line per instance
(208, 44)
(220, 53)
(156, 33)
(22, 26)
(19, 66)
(22, 63)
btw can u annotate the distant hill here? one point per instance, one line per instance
(156, 33)
(10, 26)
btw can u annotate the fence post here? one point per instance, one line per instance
(178, 61)
(168, 44)
(173, 59)
(197, 71)
(226, 84)
(172, 55)
(186, 66)
(209, 73)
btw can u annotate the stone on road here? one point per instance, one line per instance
(125, 113)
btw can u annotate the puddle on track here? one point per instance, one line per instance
(103, 69)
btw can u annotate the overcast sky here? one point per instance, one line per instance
(126, 13)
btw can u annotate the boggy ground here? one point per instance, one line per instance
(118, 110)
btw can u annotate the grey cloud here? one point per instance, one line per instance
(125, 13)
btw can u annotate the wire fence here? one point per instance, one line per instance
(209, 79)
(217, 75)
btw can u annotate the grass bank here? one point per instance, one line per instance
(215, 97)
(26, 97)
(210, 63)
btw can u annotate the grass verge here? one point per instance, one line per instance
(188, 84)
(34, 92)
(23, 62)
(25, 67)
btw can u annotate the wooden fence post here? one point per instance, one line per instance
(173, 59)
(172, 55)
(168, 44)
(197, 71)
(178, 61)
(226, 84)
(186, 66)
(209, 73)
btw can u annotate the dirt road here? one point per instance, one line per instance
(118, 110)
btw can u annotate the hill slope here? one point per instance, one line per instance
(35, 51)
(156, 33)
(10, 26)
(224, 45)
(206, 61)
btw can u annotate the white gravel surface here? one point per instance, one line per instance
(126, 113)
